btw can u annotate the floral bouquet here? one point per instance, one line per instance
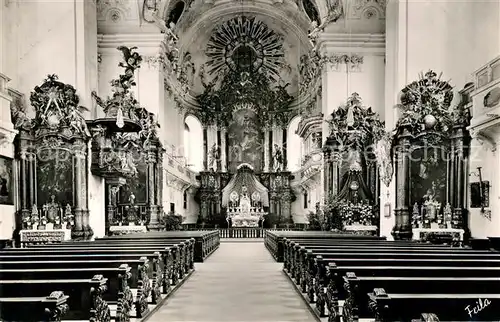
(360, 213)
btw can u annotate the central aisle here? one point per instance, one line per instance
(240, 282)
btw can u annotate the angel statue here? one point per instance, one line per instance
(277, 159)
(214, 156)
(313, 33)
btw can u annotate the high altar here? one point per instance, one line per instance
(245, 112)
(245, 197)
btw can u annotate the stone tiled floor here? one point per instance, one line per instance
(240, 282)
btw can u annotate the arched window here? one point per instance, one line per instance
(193, 143)
(294, 144)
(187, 137)
(176, 13)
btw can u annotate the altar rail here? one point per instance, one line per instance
(245, 232)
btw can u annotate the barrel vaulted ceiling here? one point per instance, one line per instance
(272, 34)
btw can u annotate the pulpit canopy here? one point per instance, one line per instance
(245, 179)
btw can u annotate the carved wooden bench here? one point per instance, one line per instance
(50, 308)
(85, 296)
(145, 276)
(206, 242)
(118, 293)
(444, 307)
(357, 288)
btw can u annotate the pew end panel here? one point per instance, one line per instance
(125, 296)
(45, 309)
(99, 310)
(143, 288)
(331, 295)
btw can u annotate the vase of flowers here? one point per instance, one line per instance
(356, 214)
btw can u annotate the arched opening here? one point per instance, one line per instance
(311, 10)
(193, 143)
(176, 13)
(294, 142)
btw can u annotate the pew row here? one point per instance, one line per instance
(358, 265)
(146, 268)
(206, 242)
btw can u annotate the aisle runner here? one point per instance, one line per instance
(240, 282)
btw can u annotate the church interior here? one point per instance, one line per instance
(340, 134)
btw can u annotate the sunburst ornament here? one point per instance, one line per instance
(245, 44)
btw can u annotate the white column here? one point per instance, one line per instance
(266, 150)
(223, 149)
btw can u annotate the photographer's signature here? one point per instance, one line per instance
(480, 305)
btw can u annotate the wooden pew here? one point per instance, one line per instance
(50, 308)
(273, 240)
(145, 276)
(445, 306)
(84, 299)
(118, 292)
(185, 248)
(171, 261)
(295, 260)
(145, 265)
(307, 272)
(357, 288)
(206, 242)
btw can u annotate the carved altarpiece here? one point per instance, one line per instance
(430, 159)
(351, 176)
(246, 102)
(51, 152)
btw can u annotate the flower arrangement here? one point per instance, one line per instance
(360, 213)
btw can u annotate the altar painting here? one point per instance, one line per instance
(245, 140)
(428, 173)
(135, 190)
(54, 176)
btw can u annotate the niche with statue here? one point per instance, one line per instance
(430, 162)
(351, 175)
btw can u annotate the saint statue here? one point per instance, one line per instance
(214, 157)
(431, 205)
(277, 159)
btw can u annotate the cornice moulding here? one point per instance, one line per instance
(359, 43)
(141, 41)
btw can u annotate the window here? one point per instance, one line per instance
(185, 200)
(306, 202)
(193, 143)
(294, 145)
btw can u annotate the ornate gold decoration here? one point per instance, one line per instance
(245, 43)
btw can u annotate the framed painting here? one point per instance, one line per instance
(6, 181)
